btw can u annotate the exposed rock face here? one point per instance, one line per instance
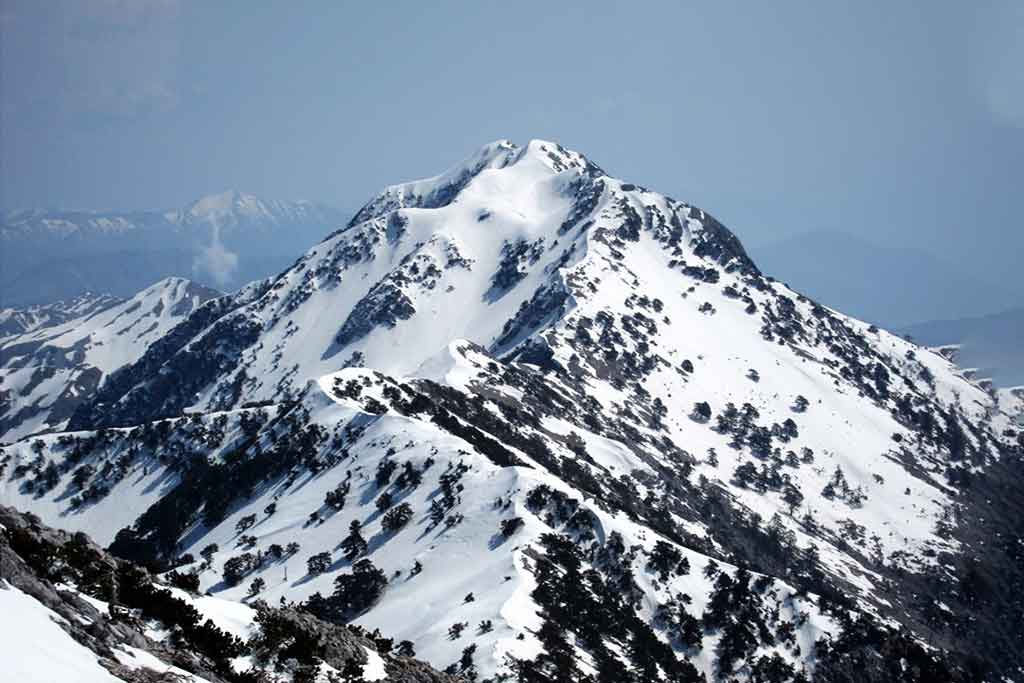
(27, 547)
(287, 630)
(71, 576)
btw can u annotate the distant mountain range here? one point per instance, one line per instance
(994, 344)
(890, 286)
(224, 240)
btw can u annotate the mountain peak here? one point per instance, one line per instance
(227, 204)
(524, 384)
(558, 158)
(178, 288)
(537, 161)
(78, 343)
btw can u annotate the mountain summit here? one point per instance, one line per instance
(234, 208)
(542, 423)
(494, 250)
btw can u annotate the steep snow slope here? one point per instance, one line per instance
(39, 650)
(514, 241)
(53, 357)
(528, 352)
(424, 263)
(462, 553)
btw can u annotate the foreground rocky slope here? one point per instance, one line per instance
(73, 612)
(546, 424)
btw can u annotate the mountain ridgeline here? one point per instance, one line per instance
(542, 424)
(53, 357)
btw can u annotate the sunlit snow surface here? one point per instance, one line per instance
(36, 649)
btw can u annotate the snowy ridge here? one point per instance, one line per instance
(56, 356)
(18, 321)
(522, 384)
(45, 652)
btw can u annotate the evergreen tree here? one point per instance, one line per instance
(208, 552)
(256, 587)
(397, 517)
(236, 568)
(384, 501)
(353, 672)
(792, 497)
(335, 498)
(354, 544)
(354, 593)
(245, 523)
(319, 563)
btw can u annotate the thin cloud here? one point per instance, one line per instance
(998, 56)
(107, 58)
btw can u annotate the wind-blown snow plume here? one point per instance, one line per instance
(216, 260)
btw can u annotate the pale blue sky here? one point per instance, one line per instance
(900, 121)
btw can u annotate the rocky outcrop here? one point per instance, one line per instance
(70, 575)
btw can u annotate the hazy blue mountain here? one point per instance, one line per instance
(224, 240)
(891, 286)
(992, 343)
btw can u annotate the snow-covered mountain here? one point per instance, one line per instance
(15, 321)
(225, 239)
(539, 421)
(54, 357)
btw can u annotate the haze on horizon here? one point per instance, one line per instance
(903, 128)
